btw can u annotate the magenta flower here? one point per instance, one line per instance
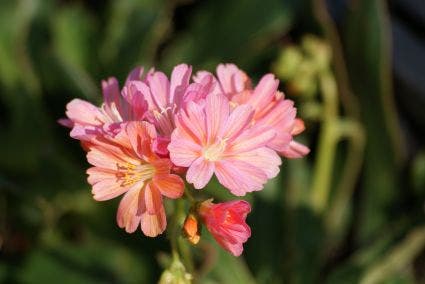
(126, 164)
(270, 106)
(226, 222)
(211, 138)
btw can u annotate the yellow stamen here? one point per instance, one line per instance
(130, 173)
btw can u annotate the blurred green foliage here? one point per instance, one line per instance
(351, 212)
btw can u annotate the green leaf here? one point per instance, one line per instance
(132, 33)
(368, 56)
(397, 259)
(74, 38)
(228, 269)
(44, 267)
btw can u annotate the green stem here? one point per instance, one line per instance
(174, 231)
(188, 194)
(327, 143)
(348, 100)
(352, 130)
(179, 246)
(186, 255)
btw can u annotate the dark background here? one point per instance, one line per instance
(371, 227)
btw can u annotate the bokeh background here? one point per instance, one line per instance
(350, 212)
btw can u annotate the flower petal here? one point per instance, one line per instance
(84, 113)
(193, 122)
(183, 150)
(102, 159)
(199, 91)
(226, 222)
(205, 77)
(127, 216)
(240, 177)
(200, 173)
(295, 150)
(141, 135)
(240, 117)
(98, 174)
(179, 81)
(263, 158)
(154, 224)
(232, 79)
(133, 94)
(106, 154)
(153, 199)
(299, 126)
(217, 112)
(145, 91)
(134, 75)
(65, 122)
(171, 186)
(264, 92)
(160, 145)
(281, 116)
(107, 189)
(253, 138)
(86, 132)
(281, 141)
(111, 92)
(235, 249)
(160, 87)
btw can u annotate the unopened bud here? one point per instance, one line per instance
(318, 50)
(192, 229)
(176, 274)
(287, 63)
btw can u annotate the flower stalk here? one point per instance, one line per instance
(328, 140)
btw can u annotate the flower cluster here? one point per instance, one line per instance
(154, 133)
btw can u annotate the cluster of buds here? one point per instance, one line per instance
(154, 134)
(300, 66)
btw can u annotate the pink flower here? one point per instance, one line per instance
(210, 138)
(231, 80)
(164, 96)
(226, 222)
(126, 164)
(270, 106)
(88, 121)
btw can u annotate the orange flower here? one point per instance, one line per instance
(126, 163)
(192, 229)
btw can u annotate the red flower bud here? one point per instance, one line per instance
(226, 222)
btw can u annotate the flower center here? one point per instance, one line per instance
(130, 173)
(214, 152)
